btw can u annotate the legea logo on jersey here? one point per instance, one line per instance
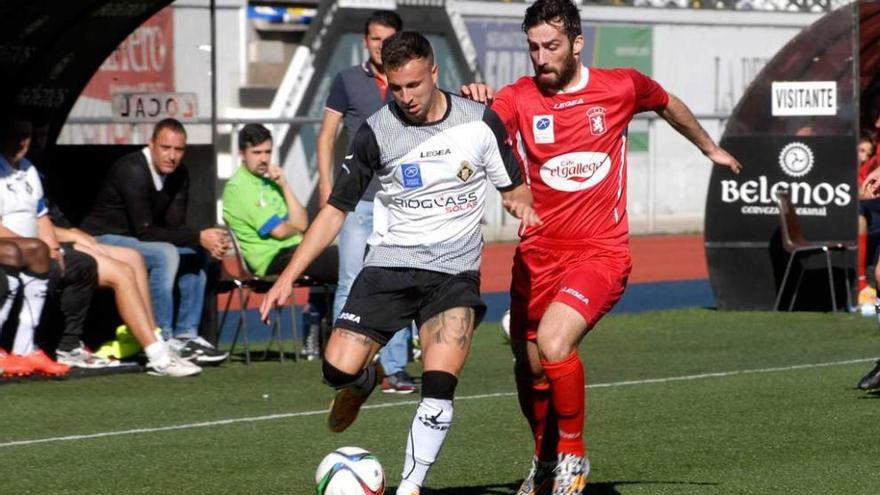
(542, 128)
(412, 175)
(576, 171)
(596, 116)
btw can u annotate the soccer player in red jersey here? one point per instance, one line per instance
(569, 125)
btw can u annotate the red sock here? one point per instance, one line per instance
(863, 260)
(567, 390)
(534, 401)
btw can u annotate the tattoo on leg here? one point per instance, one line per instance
(453, 326)
(358, 337)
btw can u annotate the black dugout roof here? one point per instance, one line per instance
(822, 52)
(49, 50)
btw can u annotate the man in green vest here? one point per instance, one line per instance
(266, 217)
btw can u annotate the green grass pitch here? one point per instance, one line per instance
(679, 402)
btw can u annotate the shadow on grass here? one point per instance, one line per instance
(598, 488)
(259, 353)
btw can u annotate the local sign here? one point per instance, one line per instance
(151, 107)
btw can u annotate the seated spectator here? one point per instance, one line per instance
(121, 269)
(266, 217)
(142, 204)
(75, 272)
(869, 224)
(23, 219)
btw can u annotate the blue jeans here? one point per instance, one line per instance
(352, 245)
(171, 267)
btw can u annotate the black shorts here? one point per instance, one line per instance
(384, 300)
(870, 209)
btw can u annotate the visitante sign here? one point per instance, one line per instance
(804, 98)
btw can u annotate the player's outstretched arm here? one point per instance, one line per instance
(518, 201)
(479, 92)
(322, 232)
(682, 120)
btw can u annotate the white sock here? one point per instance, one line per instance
(34, 290)
(426, 437)
(9, 300)
(158, 354)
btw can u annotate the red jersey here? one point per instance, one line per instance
(572, 146)
(867, 167)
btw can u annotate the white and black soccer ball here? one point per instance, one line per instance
(350, 471)
(505, 325)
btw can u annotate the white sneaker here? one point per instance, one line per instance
(82, 357)
(175, 344)
(175, 367)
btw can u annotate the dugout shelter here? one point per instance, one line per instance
(796, 128)
(49, 52)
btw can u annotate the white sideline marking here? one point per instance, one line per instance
(271, 417)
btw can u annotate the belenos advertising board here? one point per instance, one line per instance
(794, 130)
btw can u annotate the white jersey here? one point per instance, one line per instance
(433, 181)
(21, 198)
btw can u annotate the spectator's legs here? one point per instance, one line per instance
(133, 259)
(325, 268)
(34, 282)
(10, 255)
(12, 262)
(396, 352)
(120, 277)
(78, 283)
(162, 263)
(191, 282)
(352, 244)
(124, 271)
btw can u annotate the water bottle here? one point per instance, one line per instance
(311, 324)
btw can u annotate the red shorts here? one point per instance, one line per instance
(590, 280)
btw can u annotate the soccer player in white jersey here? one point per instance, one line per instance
(433, 154)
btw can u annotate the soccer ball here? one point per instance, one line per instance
(350, 471)
(505, 325)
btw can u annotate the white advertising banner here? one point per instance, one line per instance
(800, 98)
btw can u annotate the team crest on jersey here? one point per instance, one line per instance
(465, 172)
(412, 175)
(596, 117)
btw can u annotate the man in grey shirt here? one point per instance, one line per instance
(355, 94)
